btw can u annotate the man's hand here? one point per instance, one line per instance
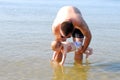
(63, 39)
(80, 50)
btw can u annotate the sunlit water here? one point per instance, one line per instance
(25, 37)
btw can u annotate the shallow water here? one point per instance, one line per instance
(25, 37)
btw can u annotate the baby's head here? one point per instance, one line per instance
(56, 45)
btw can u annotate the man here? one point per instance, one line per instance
(69, 22)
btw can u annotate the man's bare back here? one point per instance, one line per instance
(67, 13)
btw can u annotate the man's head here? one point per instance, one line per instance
(56, 45)
(66, 29)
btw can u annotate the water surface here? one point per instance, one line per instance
(25, 37)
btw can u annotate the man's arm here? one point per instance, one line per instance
(54, 55)
(83, 27)
(86, 42)
(86, 32)
(55, 31)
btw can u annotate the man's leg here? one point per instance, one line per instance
(78, 36)
(78, 58)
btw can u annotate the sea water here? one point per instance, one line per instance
(25, 37)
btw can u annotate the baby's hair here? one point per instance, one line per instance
(55, 45)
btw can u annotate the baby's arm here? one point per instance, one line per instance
(63, 58)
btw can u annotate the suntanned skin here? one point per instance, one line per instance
(70, 13)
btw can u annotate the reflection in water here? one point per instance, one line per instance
(75, 72)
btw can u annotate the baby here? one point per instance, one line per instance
(66, 47)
